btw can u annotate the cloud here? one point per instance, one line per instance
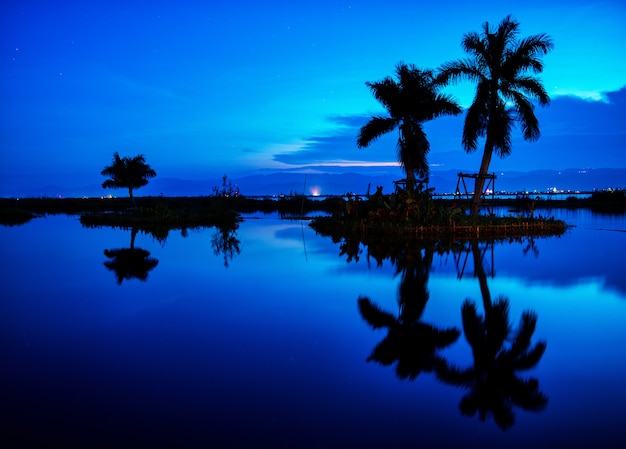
(340, 147)
(576, 132)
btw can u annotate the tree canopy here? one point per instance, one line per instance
(127, 172)
(502, 65)
(411, 100)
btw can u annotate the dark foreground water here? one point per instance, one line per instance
(104, 346)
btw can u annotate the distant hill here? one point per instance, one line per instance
(444, 181)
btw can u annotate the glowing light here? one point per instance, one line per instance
(315, 191)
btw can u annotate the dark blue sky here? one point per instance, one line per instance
(205, 88)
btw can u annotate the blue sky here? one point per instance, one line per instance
(205, 88)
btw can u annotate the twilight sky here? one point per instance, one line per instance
(206, 88)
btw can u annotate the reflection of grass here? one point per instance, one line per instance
(609, 201)
(12, 216)
(478, 227)
(160, 218)
(199, 204)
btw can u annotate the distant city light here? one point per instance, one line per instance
(315, 191)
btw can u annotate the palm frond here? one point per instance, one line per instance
(386, 352)
(525, 331)
(497, 324)
(474, 127)
(526, 395)
(473, 324)
(374, 129)
(499, 129)
(530, 358)
(531, 87)
(373, 315)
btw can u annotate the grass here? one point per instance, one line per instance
(13, 216)
(415, 215)
(400, 215)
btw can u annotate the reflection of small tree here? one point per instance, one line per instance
(413, 344)
(129, 263)
(225, 242)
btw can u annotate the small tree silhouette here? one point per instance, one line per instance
(127, 172)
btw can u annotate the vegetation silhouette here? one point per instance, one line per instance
(413, 215)
(14, 216)
(130, 263)
(493, 381)
(225, 242)
(500, 352)
(502, 66)
(411, 100)
(127, 172)
(410, 343)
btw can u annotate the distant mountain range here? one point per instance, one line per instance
(286, 183)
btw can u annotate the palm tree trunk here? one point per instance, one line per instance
(479, 272)
(133, 234)
(410, 179)
(479, 184)
(132, 198)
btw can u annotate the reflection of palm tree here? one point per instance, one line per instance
(225, 242)
(493, 383)
(129, 263)
(414, 345)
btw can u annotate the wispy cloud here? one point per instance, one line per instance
(575, 132)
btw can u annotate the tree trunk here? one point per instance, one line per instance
(479, 272)
(132, 198)
(410, 179)
(133, 234)
(479, 183)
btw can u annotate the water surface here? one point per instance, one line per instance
(261, 343)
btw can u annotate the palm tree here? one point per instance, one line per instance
(502, 66)
(129, 263)
(410, 342)
(493, 383)
(127, 172)
(410, 101)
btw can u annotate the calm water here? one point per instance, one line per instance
(269, 348)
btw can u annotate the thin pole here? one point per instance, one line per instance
(303, 190)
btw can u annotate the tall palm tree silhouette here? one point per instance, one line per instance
(130, 263)
(413, 344)
(410, 101)
(499, 353)
(502, 66)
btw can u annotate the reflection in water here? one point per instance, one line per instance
(413, 344)
(135, 263)
(130, 263)
(499, 352)
(493, 383)
(225, 242)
